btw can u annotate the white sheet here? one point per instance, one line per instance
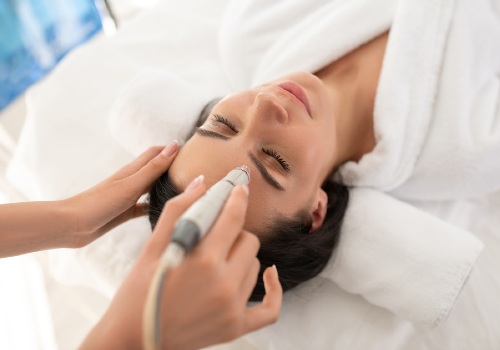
(25, 321)
(66, 147)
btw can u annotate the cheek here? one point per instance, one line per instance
(310, 149)
(259, 211)
(314, 157)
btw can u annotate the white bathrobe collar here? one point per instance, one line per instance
(257, 49)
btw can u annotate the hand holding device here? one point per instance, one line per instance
(191, 227)
(205, 298)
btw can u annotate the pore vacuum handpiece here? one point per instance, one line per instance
(194, 224)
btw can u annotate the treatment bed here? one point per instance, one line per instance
(67, 145)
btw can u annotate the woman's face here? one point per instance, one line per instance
(284, 131)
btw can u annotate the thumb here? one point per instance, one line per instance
(138, 210)
(172, 210)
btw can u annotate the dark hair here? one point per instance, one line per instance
(298, 253)
(288, 243)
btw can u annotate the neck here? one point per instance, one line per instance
(352, 81)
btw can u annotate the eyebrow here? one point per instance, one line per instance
(265, 174)
(262, 169)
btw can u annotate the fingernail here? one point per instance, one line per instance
(275, 269)
(245, 189)
(170, 149)
(195, 183)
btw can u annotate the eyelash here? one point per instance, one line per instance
(278, 158)
(221, 119)
(270, 152)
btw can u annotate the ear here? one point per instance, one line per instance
(319, 209)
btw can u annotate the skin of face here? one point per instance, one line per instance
(269, 125)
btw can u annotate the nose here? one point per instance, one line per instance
(269, 109)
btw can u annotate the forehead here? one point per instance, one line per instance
(202, 157)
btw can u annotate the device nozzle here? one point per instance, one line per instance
(239, 176)
(246, 170)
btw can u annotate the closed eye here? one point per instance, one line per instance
(270, 152)
(262, 169)
(220, 119)
(278, 158)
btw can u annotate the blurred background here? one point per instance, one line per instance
(35, 35)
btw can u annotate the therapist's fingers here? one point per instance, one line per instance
(250, 280)
(172, 210)
(138, 163)
(267, 312)
(228, 226)
(142, 179)
(242, 255)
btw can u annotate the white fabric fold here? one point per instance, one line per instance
(288, 36)
(437, 110)
(404, 104)
(401, 258)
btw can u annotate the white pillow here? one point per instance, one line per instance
(154, 108)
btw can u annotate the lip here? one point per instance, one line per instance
(297, 92)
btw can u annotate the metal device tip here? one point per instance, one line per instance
(245, 169)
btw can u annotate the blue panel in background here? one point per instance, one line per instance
(35, 35)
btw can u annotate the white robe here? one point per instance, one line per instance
(437, 107)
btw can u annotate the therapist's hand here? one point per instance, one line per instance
(205, 298)
(114, 201)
